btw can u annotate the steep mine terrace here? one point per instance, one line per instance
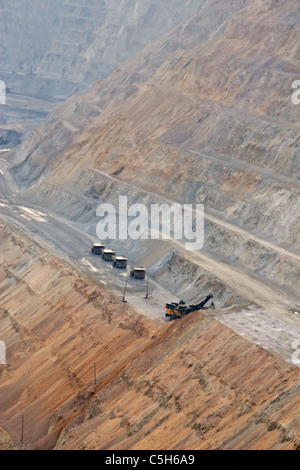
(193, 384)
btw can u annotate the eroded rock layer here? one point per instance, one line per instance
(193, 384)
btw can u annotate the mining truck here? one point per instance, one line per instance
(97, 248)
(120, 262)
(178, 310)
(107, 255)
(138, 273)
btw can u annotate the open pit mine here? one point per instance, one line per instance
(117, 119)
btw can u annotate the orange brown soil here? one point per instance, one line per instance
(191, 384)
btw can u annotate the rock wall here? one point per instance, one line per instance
(63, 46)
(184, 126)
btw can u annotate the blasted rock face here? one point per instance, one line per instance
(55, 48)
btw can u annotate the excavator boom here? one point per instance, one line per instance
(178, 310)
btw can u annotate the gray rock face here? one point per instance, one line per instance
(201, 115)
(51, 50)
(59, 47)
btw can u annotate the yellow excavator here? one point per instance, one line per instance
(175, 310)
